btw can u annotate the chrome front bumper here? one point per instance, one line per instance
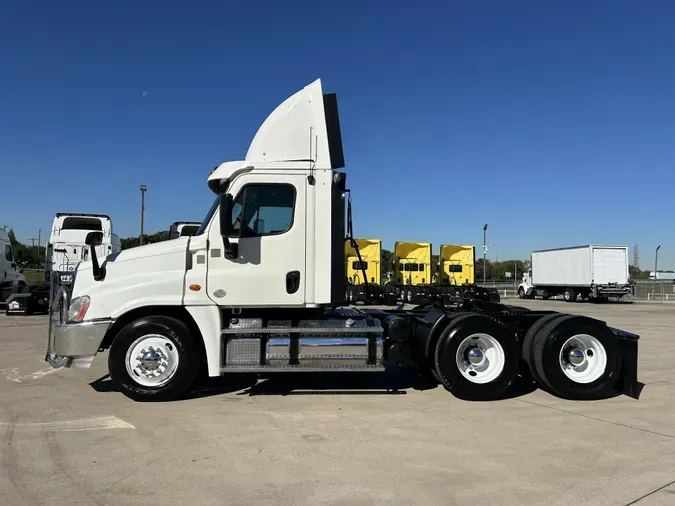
(76, 344)
(72, 344)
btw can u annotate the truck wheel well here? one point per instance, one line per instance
(177, 312)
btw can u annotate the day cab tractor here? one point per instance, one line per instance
(260, 288)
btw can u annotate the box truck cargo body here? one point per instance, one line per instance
(588, 272)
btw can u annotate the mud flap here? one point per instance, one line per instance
(628, 383)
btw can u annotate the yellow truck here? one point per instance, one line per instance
(412, 263)
(371, 257)
(456, 264)
(363, 276)
(418, 278)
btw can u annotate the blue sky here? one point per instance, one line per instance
(554, 124)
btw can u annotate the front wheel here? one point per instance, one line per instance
(521, 292)
(153, 359)
(476, 358)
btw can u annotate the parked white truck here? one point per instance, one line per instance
(11, 276)
(580, 272)
(183, 228)
(259, 289)
(66, 246)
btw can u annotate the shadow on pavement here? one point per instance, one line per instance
(389, 382)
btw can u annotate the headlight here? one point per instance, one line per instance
(78, 308)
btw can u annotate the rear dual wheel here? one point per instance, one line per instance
(476, 358)
(573, 357)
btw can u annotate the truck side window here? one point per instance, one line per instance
(8, 253)
(263, 209)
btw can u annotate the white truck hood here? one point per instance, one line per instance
(146, 275)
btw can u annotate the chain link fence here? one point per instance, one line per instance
(643, 291)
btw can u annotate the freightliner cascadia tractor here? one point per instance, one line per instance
(260, 288)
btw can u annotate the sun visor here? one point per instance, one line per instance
(306, 126)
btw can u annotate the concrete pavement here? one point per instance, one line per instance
(67, 435)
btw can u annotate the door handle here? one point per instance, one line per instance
(292, 281)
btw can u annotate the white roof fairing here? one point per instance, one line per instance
(296, 130)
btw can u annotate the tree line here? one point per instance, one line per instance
(24, 255)
(33, 256)
(131, 242)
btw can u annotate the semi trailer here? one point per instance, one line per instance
(66, 246)
(592, 272)
(237, 297)
(183, 228)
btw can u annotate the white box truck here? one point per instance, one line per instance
(580, 272)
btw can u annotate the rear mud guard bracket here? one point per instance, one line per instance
(627, 342)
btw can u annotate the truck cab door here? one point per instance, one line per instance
(268, 227)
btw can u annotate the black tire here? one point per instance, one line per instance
(517, 309)
(445, 358)
(570, 295)
(521, 293)
(546, 351)
(528, 343)
(174, 331)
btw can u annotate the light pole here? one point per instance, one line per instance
(143, 189)
(656, 263)
(484, 253)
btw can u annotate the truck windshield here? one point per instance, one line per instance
(208, 216)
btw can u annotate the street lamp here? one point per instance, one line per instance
(484, 252)
(656, 263)
(143, 189)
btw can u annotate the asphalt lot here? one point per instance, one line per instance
(67, 435)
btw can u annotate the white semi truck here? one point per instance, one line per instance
(66, 246)
(592, 272)
(11, 276)
(260, 288)
(183, 228)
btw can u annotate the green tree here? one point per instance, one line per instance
(386, 265)
(636, 273)
(24, 255)
(131, 242)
